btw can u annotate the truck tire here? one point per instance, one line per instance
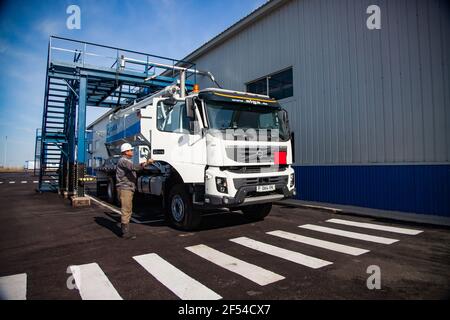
(257, 212)
(111, 194)
(179, 210)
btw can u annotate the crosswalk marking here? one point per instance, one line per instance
(12, 182)
(319, 243)
(35, 181)
(293, 256)
(376, 227)
(92, 283)
(13, 287)
(23, 181)
(250, 271)
(348, 234)
(174, 279)
(1, 182)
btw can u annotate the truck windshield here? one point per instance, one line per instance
(224, 115)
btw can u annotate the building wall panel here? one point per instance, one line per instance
(361, 96)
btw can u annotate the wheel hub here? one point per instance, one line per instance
(177, 207)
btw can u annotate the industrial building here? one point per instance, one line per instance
(370, 107)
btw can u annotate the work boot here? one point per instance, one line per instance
(126, 234)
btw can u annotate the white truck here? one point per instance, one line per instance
(213, 148)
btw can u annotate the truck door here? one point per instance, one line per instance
(179, 143)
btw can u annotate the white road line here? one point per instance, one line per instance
(47, 181)
(92, 283)
(411, 232)
(13, 287)
(1, 182)
(174, 279)
(12, 182)
(348, 234)
(23, 181)
(293, 256)
(35, 181)
(250, 271)
(319, 243)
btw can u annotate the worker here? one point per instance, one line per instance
(126, 185)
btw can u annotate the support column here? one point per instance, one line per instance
(71, 178)
(81, 200)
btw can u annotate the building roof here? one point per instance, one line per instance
(103, 116)
(251, 18)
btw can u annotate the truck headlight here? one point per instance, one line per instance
(221, 184)
(292, 180)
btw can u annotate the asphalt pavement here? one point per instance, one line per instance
(49, 250)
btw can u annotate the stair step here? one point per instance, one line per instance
(57, 95)
(58, 90)
(55, 122)
(56, 107)
(58, 140)
(56, 101)
(58, 83)
(53, 117)
(57, 112)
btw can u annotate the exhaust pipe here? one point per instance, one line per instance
(183, 83)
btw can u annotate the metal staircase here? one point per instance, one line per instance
(54, 133)
(81, 74)
(57, 124)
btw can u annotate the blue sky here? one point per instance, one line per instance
(162, 27)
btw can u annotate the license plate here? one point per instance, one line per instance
(266, 188)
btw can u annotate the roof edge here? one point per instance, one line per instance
(228, 33)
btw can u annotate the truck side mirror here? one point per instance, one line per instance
(284, 119)
(190, 108)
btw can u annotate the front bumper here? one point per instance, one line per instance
(242, 187)
(247, 196)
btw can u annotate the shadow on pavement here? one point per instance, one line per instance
(108, 224)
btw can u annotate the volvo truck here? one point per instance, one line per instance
(213, 148)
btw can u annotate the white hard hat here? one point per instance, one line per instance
(125, 147)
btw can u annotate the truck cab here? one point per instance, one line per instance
(213, 148)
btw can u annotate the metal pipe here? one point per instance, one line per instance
(182, 84)
(161, 65)
(166, 66)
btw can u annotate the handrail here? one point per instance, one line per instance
(121, 49)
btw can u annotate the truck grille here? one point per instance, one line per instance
(252, 154)
(244, 182)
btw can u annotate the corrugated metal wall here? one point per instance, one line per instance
(366, 102)
(360, 96)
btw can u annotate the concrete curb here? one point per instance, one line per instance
(368, 212)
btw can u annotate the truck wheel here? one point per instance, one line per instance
(112, 195)
(257, 212)
(179, 209)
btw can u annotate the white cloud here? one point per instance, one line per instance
(49, 27)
